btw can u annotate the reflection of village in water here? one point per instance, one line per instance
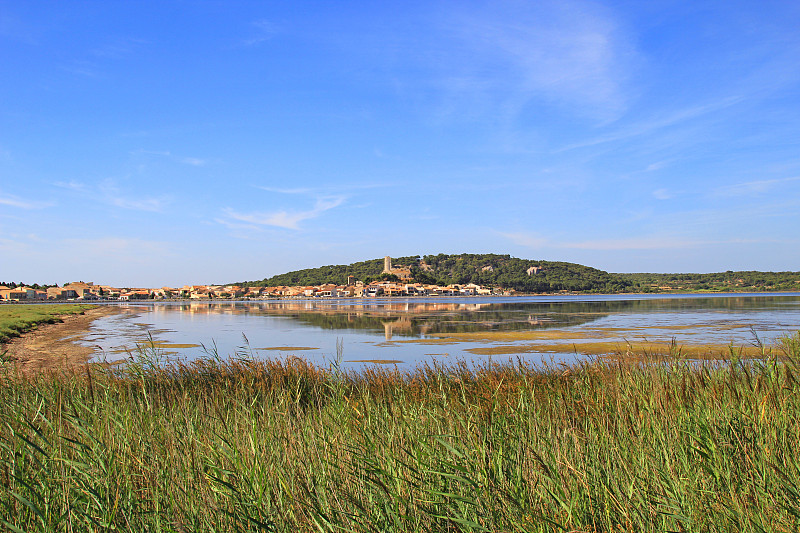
(408, 329)
(419, 318)
(406, 318)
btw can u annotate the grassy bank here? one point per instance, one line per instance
(284, 446)
(16, 319)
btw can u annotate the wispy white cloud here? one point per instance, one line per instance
(569, 52)
(649, 242)
(138, 204)
(127, 247)
(263, 30)
(109, 252)
(107, 192)
(663, 194)
(15, 246)
(339, 189)
(18, 29)
(120, 257)
(82, 68)
(753, 187)
(654, 242)
(234, 225)
(111, 194)
(287, 219)
(286, 191)
(72, 185)
(15, 201)
(193, 161)
(530, 240)
(119, 260)
(119, 48)
(164, 153)
(658, 165)
(94, 65)
(656, 123)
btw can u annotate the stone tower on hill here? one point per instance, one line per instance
(402, 272)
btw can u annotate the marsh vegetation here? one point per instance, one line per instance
(263, 445)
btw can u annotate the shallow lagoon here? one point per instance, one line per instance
(408, 332)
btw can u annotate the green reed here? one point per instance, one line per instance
(247, 445)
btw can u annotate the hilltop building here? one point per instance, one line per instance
(402, 272)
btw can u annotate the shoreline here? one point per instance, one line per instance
(415, 297)
(51, 347)
(148, 301)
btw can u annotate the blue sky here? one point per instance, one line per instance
(166, 143)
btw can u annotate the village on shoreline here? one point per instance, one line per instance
(89, 291)
(393, 281)
(397, 281)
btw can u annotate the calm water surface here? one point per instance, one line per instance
(411, 331)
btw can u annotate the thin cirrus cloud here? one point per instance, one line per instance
(635, 243)
(138, 204)
(108, 193)
(571, 52)
(287, 219)
(653, 242)
(331, 190)
(527, 239)
(264, 30)
(658, 165)
(753, 187)
(663, 194)
(119, 245)
(235, 225)
(15, 201)
(112, 195)
(193, 161)
(73, 185)
(119, 48)
(286, 191)
(655, 124)
(13, 246)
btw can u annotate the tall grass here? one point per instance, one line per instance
(245, 445)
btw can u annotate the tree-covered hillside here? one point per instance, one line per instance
(491, 270)
(362, 271)
(497, 270)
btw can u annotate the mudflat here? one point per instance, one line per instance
(52, 346)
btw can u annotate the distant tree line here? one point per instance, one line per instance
(729, 281)
(13, 285)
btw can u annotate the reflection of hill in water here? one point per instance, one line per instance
(419, 317)
(415, 324)
(410, 318)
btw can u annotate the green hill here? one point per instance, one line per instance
(491, 270)
(362, 271)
